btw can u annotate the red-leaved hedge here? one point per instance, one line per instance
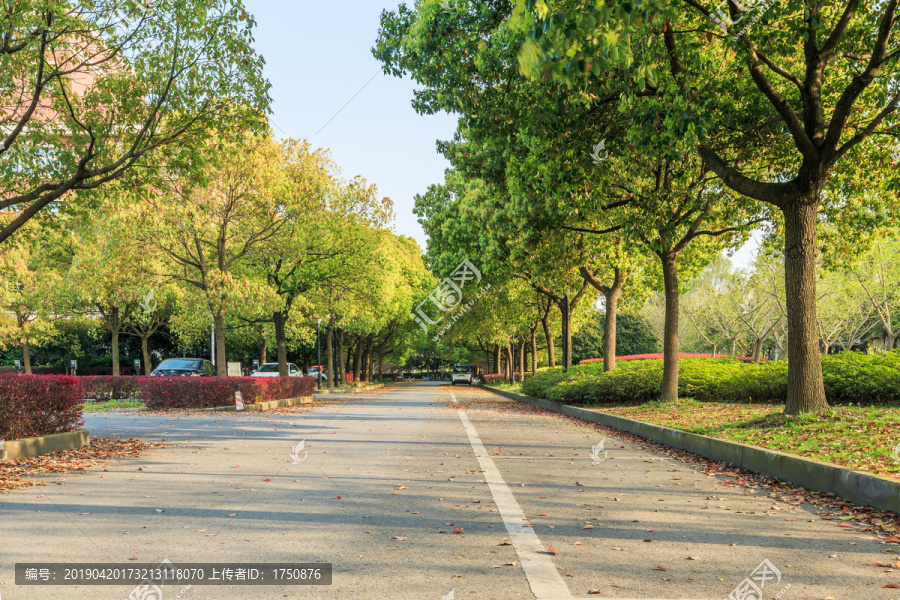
(207, 392)
(33, 405)
(659, 356)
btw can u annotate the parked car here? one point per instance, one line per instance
(271, 370)
(318, 373)
(182, 367)
(461, 374)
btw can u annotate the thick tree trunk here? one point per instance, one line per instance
(339, 335)
(611, 294)
(522, 359)
(497, 359)
(329, 352)
(263, 351)
(609, 329)
(368, 361)
(566, 311)
(145, 353)
(806, 390)
(279, 319)
(357, 360)
(509, 363)
(26, 355)
(548, 335)
(669, 391)
(114, 329)
(534, 351)
(221, 361)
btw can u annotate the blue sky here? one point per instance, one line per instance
(317, 57)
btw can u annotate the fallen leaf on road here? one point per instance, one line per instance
(232, 515)
(85, 514)
(552, 551)
(458, 530)
(895, 586)
(505, 542)
(588, 527)
(659, 568)
(399, 538)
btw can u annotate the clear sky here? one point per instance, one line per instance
(317, 57)
(319, 61)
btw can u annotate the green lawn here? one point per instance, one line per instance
(113, 405)
(859, 437)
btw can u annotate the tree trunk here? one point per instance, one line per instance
(357, 360)
(566, 311)
(368, 361)
(263, 350)
(548, 335)
(715, 349)
(609, 328)
(26, 354)
(221, 361)
(509, 363)
(279, 319)
(497, 359)
(114, 329)
(145, 352)
(534, 351)
(329, 354)
(806, 389)
(522, 359)
(339, 354)
(669, 391)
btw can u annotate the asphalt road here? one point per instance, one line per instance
(383, 481)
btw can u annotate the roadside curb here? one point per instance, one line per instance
(263, 406)
(862, 488)
(352, 390)
(42, 444)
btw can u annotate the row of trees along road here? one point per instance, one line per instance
(705, 136)
(115, 131)
(266, 236)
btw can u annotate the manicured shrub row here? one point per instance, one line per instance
(659, 356)
(33, 405)
(850, 377)
(195, 392)
(206, 392)
(493, 378)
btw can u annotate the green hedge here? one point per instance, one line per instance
(850, 377)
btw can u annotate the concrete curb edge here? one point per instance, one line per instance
(42, 444)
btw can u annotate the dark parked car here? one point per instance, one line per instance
(175, 367)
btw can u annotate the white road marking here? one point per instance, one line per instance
(544, 579)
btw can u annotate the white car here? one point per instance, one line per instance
(271, 370)
(317, 373)
(461, 374)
